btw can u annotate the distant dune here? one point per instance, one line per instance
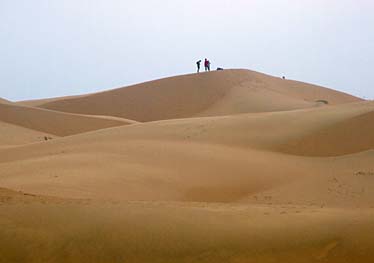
(57, 123)
(38, 102)
(232, 166)
(4, 101)
(217, 93)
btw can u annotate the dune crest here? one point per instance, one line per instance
(4, 101)
(53, 122)
(206, 94)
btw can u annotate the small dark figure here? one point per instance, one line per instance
(219, 68)
(207, 65)
(283, 77)
(198, 65)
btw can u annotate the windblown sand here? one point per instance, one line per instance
(230, 166)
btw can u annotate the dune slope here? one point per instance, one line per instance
(16, 135)
(349, 136)
(38, 102)
(56, 123)
(206, 94)
(156, 161)
(42, 231)
(4, 101)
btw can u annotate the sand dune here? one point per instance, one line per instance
(257, 171)
(38, 102)
(4, 101)
(349, 136)
(207, 94)
(16, 135)
(56, 123)
(165, 152)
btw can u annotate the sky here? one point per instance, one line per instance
(52, 48)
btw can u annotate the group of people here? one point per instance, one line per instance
(206, 65)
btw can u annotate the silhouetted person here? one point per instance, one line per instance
(207, 65)
(198, 65)
(283, 77)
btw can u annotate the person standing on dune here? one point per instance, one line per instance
(207, 65)
(198, 65)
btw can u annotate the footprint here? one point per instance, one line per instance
(324, 253)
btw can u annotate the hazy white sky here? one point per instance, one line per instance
(64, 47)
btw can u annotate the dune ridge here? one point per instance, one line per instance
(165, 152)
(206, 94)
(4, 101)
(53, 122)
(38, 102)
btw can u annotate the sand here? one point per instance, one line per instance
(16, 135)
(246, 168)
(57, 123)
(4, 101)
(217, 93)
